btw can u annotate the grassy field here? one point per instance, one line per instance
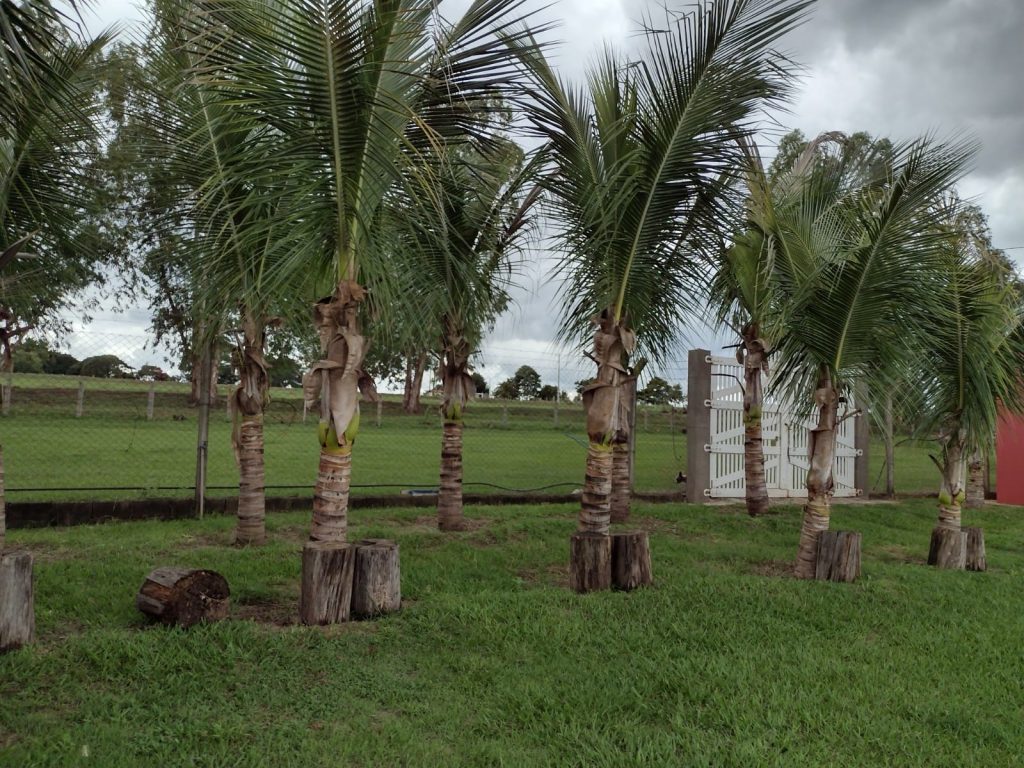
(726, 661)
(508, 445)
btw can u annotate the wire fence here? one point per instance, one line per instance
(96, 431)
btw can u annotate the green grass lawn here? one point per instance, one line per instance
(492, 661)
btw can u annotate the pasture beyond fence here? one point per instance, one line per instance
(78, 438)
(69, 438)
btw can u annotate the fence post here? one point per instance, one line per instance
(203, 432)
(504, 413)
(151, 401)
(890, 450)
(6, 393)
(862, 440)
(698, 425)
(380, 410)
(80, 405)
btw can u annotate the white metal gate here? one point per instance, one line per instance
(784, 439)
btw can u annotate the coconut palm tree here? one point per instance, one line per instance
(745, 295)
(48, 133)
(973, 363)
(346, 91)
(642, 158)
(856, 264)
(231, 224)
(461, 245)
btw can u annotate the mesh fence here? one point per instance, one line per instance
(69, 436)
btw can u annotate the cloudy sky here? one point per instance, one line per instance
(895, 68)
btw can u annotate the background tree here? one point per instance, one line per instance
(548, 393)
(49, 106)
(507, 390)
(480, 383)
(660, 392)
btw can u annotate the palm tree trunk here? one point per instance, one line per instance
(251, 398)
(975, 481)
(457, 389)
(619, 503)
(951, 494)
(754, 362)
(605, 401)
(890, 450)
(252, 514)
(449, 497)
(595, 502)
(3, 502)
(330, 499)
(822, 450)
(413, 383)
(335, 381)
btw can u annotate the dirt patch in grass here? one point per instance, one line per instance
(49, 553)
(775, 569)
(274, 611)
(897, 554)
(553, 575)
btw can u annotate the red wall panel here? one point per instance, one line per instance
(1010, 460)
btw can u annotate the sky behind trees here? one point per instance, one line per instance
(895, 68)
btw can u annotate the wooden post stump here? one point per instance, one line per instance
(17, 603)
(948, 548)
(590, 561)
(182, 597)
(838, 556)
(327, 570)
(975, 560)
(631, 560)
(377, 580)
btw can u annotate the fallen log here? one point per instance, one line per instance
(182, 597)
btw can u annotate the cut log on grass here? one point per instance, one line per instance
(975, 560)
(182, 597)
(17, 610)
(631, 560)
(948, 548)
(377, 580)
(327, 569)
(590, 561)
(838, 556)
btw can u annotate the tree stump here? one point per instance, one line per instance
(590, 561)
(377, 579)
(838, 556)
(327, 569)
(975, 560)
(17, 607)
(631, 560)
(182, 597)
(948, 548)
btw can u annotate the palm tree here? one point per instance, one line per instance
(460, 245)
(975, 355)
(856, 264)
(345, 91)
(642, 159)
(226, 226)
(745, 294)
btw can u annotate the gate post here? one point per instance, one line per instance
(862, 440)
(698, 425)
